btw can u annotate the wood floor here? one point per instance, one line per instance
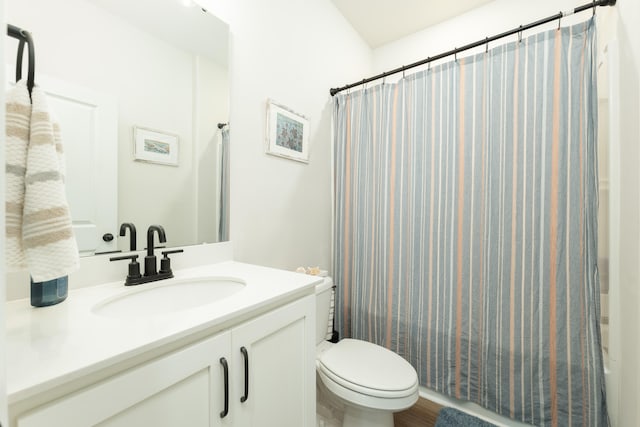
(423, 414)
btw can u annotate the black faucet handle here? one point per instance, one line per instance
(165, 262)
(134, 268)
(173, 251)
(133, 258)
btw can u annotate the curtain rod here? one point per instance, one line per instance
(486, 41)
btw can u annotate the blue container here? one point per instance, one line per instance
(50, 292)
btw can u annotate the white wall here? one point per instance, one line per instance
(629, 248)
(485, 21)
(3, 382)
(502, 15)
(293, 52)
(154, 84)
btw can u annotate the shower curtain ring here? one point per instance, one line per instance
(486, 49)
(429, 63)
(455, 54)
(559, 19)
(520, 35)
(403, 70)
(594, 7)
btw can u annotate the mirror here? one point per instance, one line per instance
(121, 71)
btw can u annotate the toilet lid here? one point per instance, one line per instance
(368, 366)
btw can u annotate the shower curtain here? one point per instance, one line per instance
(223, 226)
(466, 224)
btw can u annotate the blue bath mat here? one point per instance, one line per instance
(450, 417)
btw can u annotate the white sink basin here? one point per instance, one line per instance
(164, 298)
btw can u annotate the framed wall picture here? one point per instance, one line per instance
(287, 133)
(155, 146)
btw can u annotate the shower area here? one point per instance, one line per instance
(473, 203)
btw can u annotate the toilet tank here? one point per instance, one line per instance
(323, 308)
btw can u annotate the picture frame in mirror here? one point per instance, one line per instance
(154, 146)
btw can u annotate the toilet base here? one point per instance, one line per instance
(355, 416)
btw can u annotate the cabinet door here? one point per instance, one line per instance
(279, 353)
(184, 388)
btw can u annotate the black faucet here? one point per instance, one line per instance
(150, 268)
(132, 234)
(151, 273)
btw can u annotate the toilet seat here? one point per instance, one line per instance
(368, 375)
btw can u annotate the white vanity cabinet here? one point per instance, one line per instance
(274, 360)
(186, 387)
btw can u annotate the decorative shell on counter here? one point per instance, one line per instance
(314, 271)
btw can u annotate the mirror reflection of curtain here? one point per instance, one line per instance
(466, 226)
(223, 229)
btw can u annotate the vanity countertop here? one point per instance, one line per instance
(50, 346)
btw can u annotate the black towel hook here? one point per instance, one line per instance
(25, 38)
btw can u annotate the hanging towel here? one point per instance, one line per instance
(39, 232)
(17, 119)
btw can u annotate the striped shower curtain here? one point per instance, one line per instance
(466, 226)
(223, 225)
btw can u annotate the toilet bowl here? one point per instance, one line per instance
(370, 381)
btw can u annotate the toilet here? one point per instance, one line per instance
(370, 381)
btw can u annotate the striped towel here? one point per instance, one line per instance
(38, 223)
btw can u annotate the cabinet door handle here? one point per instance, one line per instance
(225, 368)
(245, 354)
